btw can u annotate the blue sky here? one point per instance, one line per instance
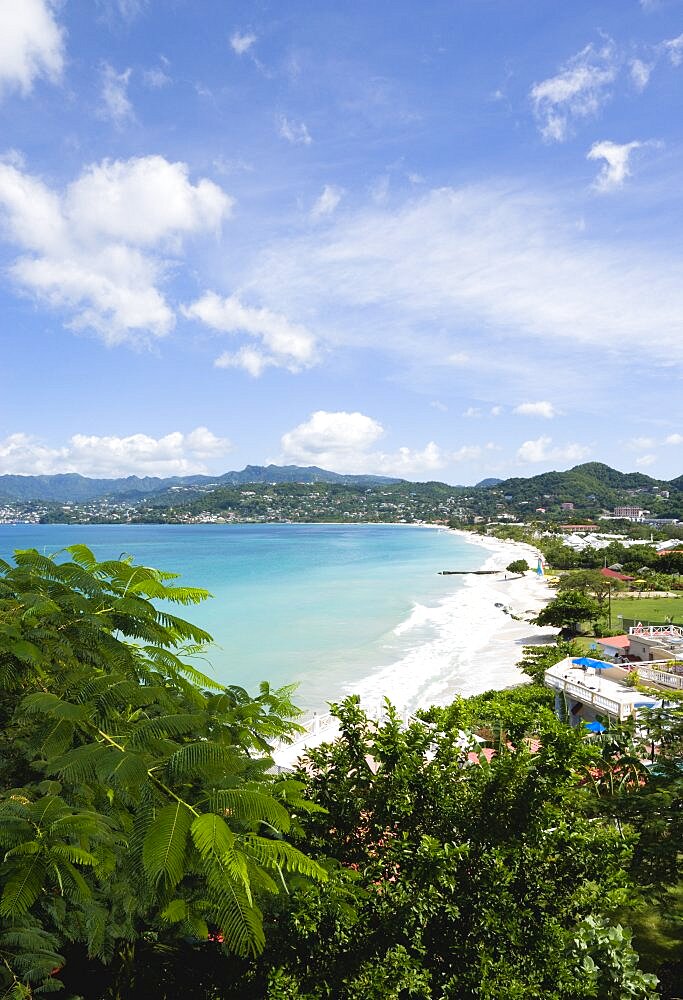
(437, 240)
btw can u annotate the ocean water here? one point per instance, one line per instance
(333, 608)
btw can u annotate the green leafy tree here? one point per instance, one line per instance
(518, 566)
(568, 611)
(470, 880)
(592, 583)
(537, 659)
(135, 796)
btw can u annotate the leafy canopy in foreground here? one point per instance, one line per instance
(134, 794)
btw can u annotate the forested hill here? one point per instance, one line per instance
(591, 483)
(73, 488)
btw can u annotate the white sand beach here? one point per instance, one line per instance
(470, 644)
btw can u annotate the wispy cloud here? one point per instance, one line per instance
(328, 201)
(674, 49)
(640, 73)
(295, 132)
(503, 262)
(116, 105)
(579, 90)
(281, 344)
(157, 77)
(127, 10)
(242, 42)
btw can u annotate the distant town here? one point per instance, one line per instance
(578, 501)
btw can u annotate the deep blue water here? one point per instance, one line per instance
(321, 605)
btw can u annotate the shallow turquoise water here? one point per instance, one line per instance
(321, 605)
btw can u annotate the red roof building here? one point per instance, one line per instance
(613, 575)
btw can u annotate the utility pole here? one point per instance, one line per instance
(609, 606)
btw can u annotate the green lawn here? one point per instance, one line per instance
(648, 608)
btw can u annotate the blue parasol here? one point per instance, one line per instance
(586, 661)
(595, 727)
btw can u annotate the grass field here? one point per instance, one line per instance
(648, 608)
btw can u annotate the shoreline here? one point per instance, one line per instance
(471, 628)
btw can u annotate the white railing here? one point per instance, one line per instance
(654, 630)
(662, 677)
(621, 710)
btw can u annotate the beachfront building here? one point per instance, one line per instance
(614, 647)
(594, 693)
(656, 642)
(589, 690)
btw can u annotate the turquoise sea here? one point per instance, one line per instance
(327, 606)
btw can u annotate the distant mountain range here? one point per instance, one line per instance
(589, 483)
(73, 488)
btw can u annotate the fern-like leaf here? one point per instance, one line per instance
(23, 887)
(164, 847)
(250, 806)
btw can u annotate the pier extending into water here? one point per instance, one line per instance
(468, 572)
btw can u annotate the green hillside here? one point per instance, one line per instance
(588, 486)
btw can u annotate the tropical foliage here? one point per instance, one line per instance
(485, 850)
(135, 793)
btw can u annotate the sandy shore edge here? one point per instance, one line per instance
(494, 636)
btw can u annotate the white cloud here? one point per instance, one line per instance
(496, 411)
(110, 456)
(674, 439)
(674, 49)
(282, 344)
(241, 43)
(640, 73)
(645, 460)
(295, 132)
(344, 442)
(438, 405)
(578, 91)
(540, 450)
(615, 169)
(99, 250)
(540, 409)
(116, 106)
(472, 412)
(156, 78)
(467, 453)
(339, 437)
(458, 359)
(31, 44)
(126, 9)
(487, 265)
(328, 201)
(641, 443)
